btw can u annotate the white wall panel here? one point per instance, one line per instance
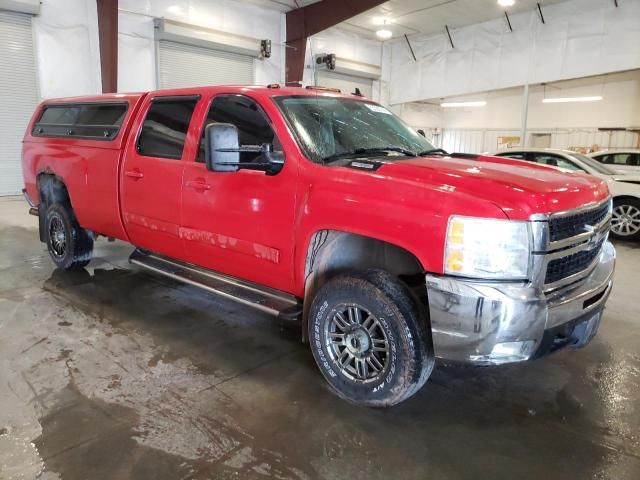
(137, 41)
(67, 48)
(579, 38)
(480, 141)
(136, 53)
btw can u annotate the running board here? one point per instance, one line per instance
(274, 302)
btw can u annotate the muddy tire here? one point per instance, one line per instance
(70, 246)
(370, 339)
(625, 222)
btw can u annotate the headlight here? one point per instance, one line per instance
(487, 248)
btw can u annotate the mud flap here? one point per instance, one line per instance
(42, 208)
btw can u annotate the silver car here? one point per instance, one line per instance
(625, 189)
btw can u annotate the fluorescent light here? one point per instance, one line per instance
(384, 34)
(506, 3)
(481, 103)
(571, 99)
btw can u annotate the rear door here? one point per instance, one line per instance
(151, 177)
(623, 162)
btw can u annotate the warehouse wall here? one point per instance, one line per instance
(137, 62)
(345, 44)
(571, 125)
(580, 38)
(620, 106)
(67, 49)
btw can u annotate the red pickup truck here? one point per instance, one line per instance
(327, 209)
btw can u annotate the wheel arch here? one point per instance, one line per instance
(625, 197)
(332, 252)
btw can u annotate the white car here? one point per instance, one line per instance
(625, 189)
(623, 161)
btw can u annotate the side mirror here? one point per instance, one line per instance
(222, 147)
(222, 151)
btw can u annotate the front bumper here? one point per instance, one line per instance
(489, 323)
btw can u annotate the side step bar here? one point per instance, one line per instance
(274, 302)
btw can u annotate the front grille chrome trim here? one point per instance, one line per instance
(547, 251)
(579, 240)
(576, 277)
(542, 217)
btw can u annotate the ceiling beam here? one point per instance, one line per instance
(108, 36)
(306, 21)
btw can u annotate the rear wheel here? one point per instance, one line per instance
(369, 339)
(70, 246)
(625, 219)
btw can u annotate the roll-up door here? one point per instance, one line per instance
(346, 83)
(18, 95)
(184, 65)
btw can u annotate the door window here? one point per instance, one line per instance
(165, 127)
(555, 161)
(252, 123)
(516, 155)
(630, 159)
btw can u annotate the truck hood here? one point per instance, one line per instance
(519, 188)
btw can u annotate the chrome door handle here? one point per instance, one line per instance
(197, 185)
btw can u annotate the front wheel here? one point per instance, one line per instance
(625, 219)
(70, 246)
(369, 339)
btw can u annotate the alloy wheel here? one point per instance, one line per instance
(58, 236)
(357, 343)
(625, 220)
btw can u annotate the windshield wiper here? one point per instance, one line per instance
(433, 151)
(366, 151)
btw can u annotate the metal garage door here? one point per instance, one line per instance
(346, 83)
(18, 95)
(189, 66)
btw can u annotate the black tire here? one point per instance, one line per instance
(70, 246)
(625, 223)
(398, 325)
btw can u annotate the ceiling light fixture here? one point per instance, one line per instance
(480, 103)
(572, 99)
(506, 3)
(384, 34)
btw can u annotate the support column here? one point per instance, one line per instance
(525, 113)
(108, 35)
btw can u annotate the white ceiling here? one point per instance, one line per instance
(419, 16)
(281, 5)
(430, 16)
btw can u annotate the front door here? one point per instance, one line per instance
(151, 177)
(240, 223)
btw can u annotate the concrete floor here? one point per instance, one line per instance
(116, 373)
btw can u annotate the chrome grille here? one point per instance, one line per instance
(568, 226)
(564, 267)
(574, 242)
